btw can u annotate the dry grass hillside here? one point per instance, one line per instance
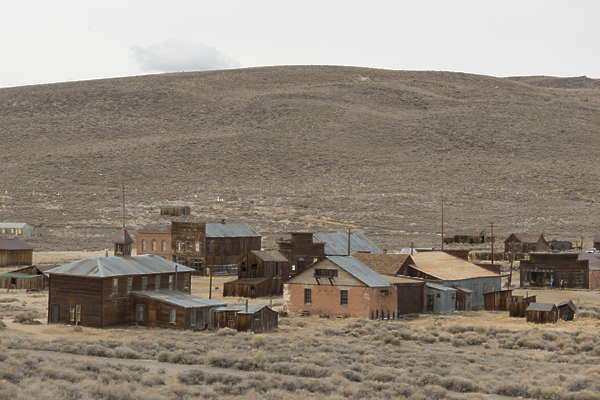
(288, 148)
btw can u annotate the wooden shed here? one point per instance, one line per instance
(173, 309)
(498, 300)
(16, 280)
(567, 310)
(15, 252)
(542, 313)
(246, 318)
(518, 305)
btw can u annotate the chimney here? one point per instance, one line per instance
(349, 236)
(175, 276)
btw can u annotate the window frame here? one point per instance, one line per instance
(144, 245)
(173, 316)
(344, 297)
(115, 287)
(307, 296)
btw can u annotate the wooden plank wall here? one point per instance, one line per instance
(16, 257)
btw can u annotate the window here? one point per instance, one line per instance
(75, 313)
(343, 297)
(139, 315)
(115, 287)
(163, 246)
(129, 284)
(157, 282)
(579, 278)
(179, 245)
(173, 316)
(188, 246)
(307, 296)
(143, 244)
(170, 282)
(153, 244)
(144, 282)
(187, 280)
(276, 269)
(385, 292)
(197, 246)
(326, 273)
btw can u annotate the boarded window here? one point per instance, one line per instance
(157, 282)
(115, 287)
(153, 244)
(170, 282)
(163, 246)
(173, 316)
(143, 244)
(144, 282)
(139, 315)
(307, 296)
(343, 297)
(129, 284)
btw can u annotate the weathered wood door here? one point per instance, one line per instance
(54, 313)
(231, 319)
(430, 301)
(151, 313)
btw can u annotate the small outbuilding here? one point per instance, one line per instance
(518, 305)
(15, 252)
(498, 300)
(542, 313)
(440, 299)
(246, 318)
(567, 310)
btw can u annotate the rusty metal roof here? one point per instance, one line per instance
(540, 307)
(122, 237)
(230, 230)
(336, 244)
(103, 267)
(178, 298)
(14, 244)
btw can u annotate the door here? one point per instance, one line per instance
(139, 313)
(151, 314)
(430, 300)
(231, 319)
(54, 313)
(193, 314)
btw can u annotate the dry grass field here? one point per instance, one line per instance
(466, 355)
(291, 148)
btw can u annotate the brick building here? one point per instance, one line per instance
(341, 285)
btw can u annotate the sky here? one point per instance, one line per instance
(45, 42)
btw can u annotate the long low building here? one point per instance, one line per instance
(568, 269)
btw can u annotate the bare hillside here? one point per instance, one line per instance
(287, 148)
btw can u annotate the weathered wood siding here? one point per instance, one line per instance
(224, 255)
(39, 283)
(497, 301)
(15, 257)
(518, 305)
(67, 290)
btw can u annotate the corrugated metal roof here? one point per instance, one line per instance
(241, 309)
(178, 298)
(336, 244)
(360, 271)
(230, 230)
(440, 287)
(14, 244)
(540, 307)
(445, 267)
(103, 267)
(270, 255)
(11, 225)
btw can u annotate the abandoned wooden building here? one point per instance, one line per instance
(30, 277)
(15, 252)
(566, 310)
(518, 305)
(175, 211)
(173, 309)
(440, 299)
(542, 313)
(264, 275)
(97, 291)
(411, 292)
(524, 243)
(561, 270)
(201, 246)
(304, 249)
(341, 285)
(471, 281)
(465, 236)
(18, 229)
(560, 245)
(497, 301)
(257, 319)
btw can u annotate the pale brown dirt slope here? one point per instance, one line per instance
(288, 148)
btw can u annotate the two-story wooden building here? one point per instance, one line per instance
(264, 275)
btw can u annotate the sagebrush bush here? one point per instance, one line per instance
(191, 377)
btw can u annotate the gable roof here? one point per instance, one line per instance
(241, 309)
(383, 263)
(360, 271)
(104, 267)
(122, 237)
(270, 255)
(568, 303)
(540, 307)
(178, 298)
(336, 244)
(525, 237)
(446, 267)
(14, 244)
(230, 230)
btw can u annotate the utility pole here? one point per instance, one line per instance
(512, 260)
(493, 239)
(442, 221)
(210, 283)
(123, 210)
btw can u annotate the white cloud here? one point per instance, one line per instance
(180, 55)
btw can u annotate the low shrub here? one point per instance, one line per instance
(191, 377)
(27, 318)
(459, 384)
(352, 376)
(226, 332)
(2, 325)
(8, 300)
(126, 352)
